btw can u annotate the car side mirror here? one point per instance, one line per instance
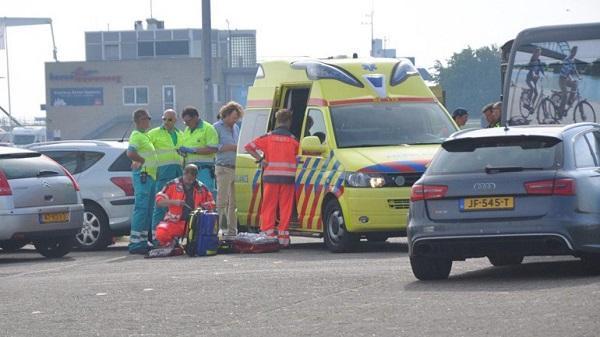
(311, 145)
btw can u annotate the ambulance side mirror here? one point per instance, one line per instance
(311, 145)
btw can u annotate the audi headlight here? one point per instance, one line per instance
(360, 179)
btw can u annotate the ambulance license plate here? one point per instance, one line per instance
(487, 204)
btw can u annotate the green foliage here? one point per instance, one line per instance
(471, 79)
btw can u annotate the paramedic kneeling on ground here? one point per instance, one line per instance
(279, 171)
(181, 196)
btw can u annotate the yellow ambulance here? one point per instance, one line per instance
(367, 130)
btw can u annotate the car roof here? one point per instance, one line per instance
(80, 144)
(556, 131)
(11, 150)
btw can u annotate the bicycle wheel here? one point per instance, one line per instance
(524, 104)
(547, 112)
(584, 112)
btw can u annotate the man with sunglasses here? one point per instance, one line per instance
(166, 140)
(200, 143)
(143, 169)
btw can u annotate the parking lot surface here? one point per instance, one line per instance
(304, 291)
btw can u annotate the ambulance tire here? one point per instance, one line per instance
(337, 238)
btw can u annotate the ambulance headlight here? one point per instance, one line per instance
(360, 179)
(402, 70)
(317, 70)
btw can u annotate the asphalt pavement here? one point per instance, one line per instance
(304, 291)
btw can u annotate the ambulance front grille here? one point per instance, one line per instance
(399, 203)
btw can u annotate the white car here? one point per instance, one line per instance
(103, 171)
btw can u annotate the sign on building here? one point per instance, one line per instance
(77, 96)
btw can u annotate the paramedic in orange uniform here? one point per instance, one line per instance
(279, 148)
(181, 196)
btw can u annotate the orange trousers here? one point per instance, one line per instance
(276, 196)
(167, 231)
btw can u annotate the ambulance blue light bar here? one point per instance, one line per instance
(316, 70)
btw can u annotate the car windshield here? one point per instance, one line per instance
(23, 139)
(495, 155)
(388, 124)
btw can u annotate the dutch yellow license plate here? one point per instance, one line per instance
(487, 203)
(54, 217)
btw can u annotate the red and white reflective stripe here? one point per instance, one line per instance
(279, 173)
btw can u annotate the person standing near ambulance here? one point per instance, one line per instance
(229, 133)
(143, 169)
(166, 140)
(200, 143)
(279, 148)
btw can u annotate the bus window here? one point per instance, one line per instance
(554, 76)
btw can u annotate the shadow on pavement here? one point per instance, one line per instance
(529, 276)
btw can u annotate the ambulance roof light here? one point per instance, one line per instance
(316, 70)
(401, 71)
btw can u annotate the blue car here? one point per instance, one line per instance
(506, 193)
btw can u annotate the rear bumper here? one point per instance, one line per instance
(463, 247)
(25, 222)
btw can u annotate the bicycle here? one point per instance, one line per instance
(543, 106)
(581, 107)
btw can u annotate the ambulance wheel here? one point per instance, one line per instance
(337, 238)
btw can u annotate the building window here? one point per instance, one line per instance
(172, 48)
(135, 95)
(168, 97)
(145, 49)
(243, 51)
(111, 52)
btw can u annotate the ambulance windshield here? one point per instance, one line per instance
(389, 124)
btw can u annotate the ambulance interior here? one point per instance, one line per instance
(296, 100)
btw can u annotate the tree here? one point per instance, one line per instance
(471, 79)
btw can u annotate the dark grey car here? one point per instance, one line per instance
(506, 194)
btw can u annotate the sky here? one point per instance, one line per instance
(428, 30)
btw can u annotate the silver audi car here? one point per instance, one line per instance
(39, 203)
(506, 193)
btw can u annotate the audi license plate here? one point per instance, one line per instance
(54, 217)
(487, 203)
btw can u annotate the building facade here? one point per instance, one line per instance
(151, 68)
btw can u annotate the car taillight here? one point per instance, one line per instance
(4, 186)
(427, 192)
(75, 184)
(124, 183)
(551, 187)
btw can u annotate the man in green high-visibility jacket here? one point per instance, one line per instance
(200, 143)
(166, 140)
(143, 169)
